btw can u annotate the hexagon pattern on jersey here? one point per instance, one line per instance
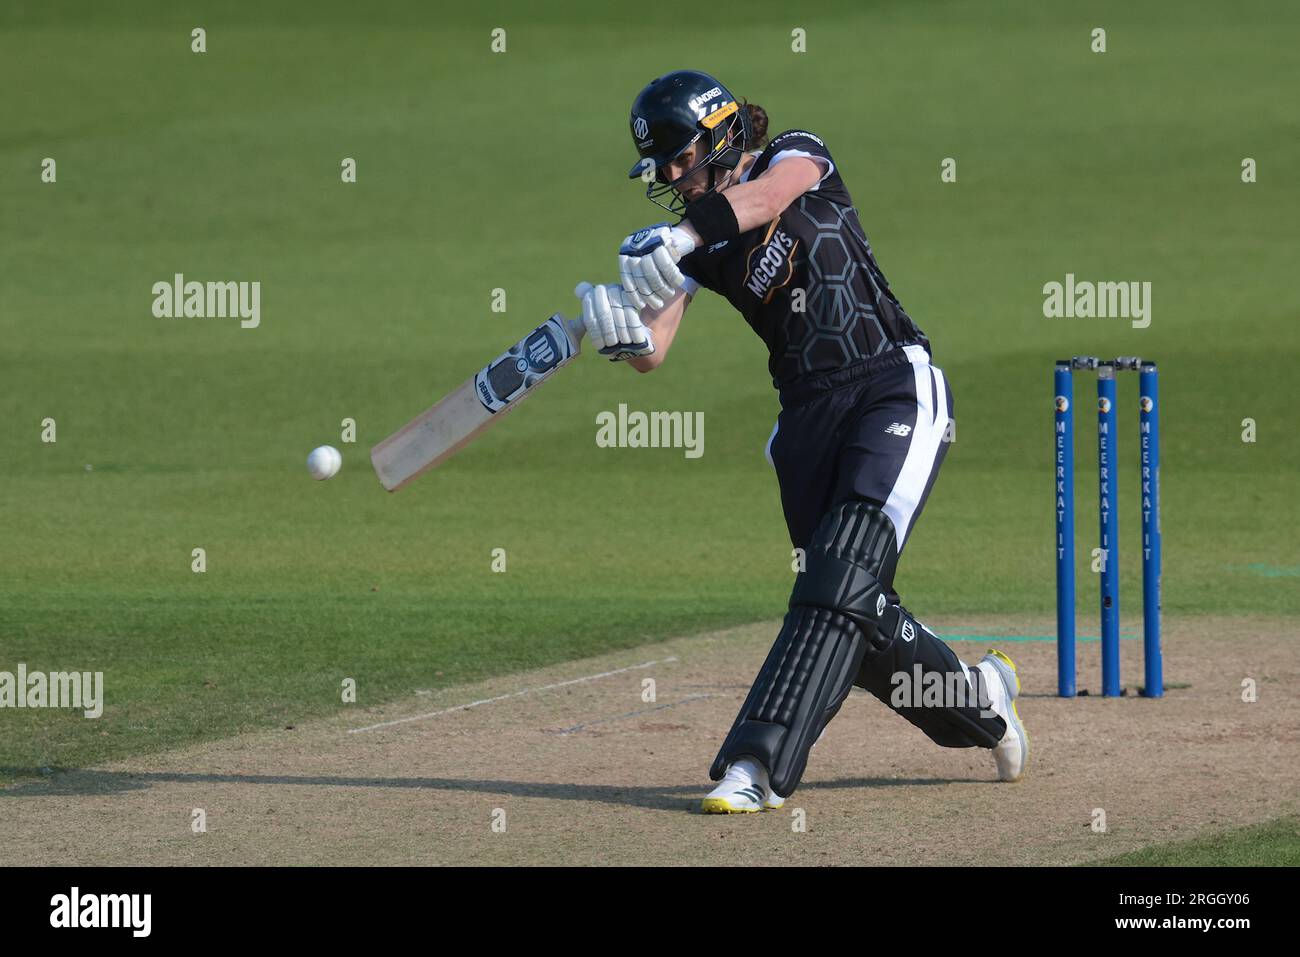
(829, 332)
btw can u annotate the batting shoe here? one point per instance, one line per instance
(1012, 752)
(742, 790)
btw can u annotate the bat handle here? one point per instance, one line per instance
(577, 328)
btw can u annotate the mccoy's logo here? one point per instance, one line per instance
(771, 263)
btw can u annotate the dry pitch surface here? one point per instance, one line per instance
(582, 770)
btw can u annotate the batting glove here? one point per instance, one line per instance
(613, 324)
(647, 264)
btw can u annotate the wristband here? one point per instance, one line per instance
(713, 218)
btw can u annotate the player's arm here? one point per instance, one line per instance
(647, 260)
(663, 325)
(761, 200)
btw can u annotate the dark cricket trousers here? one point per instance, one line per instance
(874, 432)
(878, 432)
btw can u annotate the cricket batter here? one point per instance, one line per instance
(857, 445)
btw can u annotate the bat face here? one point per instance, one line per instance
(439, 433)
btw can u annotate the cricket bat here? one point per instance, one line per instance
(435, 436)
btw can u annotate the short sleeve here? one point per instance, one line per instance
(801, 143)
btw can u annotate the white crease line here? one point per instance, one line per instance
(513, 694)
(631, 714)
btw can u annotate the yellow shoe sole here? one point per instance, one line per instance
(721, 806)
(1006, 659)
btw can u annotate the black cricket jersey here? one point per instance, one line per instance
(815, 255)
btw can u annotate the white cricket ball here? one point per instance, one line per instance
(324, 462)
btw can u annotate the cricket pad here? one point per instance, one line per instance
(832, 621)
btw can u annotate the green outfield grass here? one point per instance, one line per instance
(479, 171)
(1272, 844)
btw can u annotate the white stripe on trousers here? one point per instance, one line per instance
(927, 435)
(767, 449)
